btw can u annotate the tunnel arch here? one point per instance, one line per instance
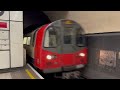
(33, 20)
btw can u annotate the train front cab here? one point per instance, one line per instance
(63, 47)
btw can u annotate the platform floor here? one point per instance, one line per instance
(26, 72)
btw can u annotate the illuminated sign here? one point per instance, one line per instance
(68, 22)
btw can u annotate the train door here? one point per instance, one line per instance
(68, 45)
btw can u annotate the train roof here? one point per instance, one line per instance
(62, 22)
(66, 22)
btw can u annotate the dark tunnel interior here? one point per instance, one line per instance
(34, 19)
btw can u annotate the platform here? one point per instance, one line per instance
(26, 72)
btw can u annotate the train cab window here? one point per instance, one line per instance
(28, 40)
(50, 38)
(80, 39)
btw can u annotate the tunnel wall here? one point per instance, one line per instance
(104, 56)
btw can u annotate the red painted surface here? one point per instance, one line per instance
(67, 59)
(54, 63)
(3, 25)
(74, 58)
(63, 59)
(37, 49)
(80, 59)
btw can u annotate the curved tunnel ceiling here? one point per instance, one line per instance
(91, 21)
(34, 19)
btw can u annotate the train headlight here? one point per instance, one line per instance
(49, 57)
(82, 54)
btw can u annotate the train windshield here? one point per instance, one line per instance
(50, 38)
(68, 33)
(80, 39)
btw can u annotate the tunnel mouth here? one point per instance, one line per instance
(34, 19)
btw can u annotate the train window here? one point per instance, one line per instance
(80, 39)
(28, 40)
(50, 38)
(68, 33)
(25, 40)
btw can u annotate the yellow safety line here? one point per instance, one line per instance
(29, 74)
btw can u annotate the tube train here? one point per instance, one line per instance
(56, 47)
